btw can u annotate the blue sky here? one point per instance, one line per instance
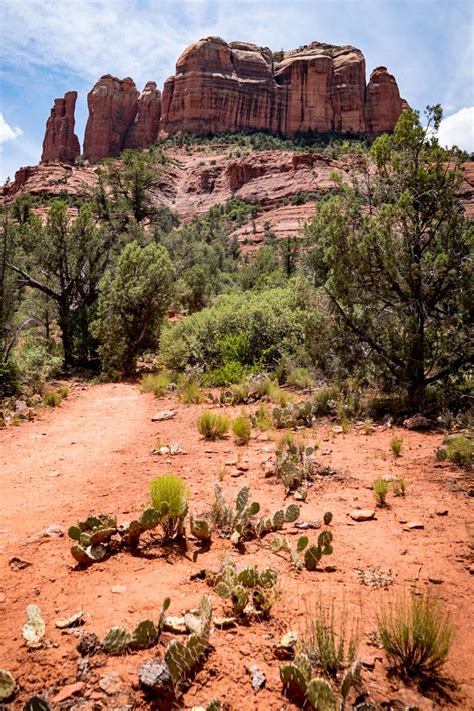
(48, 47)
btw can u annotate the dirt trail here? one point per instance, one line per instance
(93, 454)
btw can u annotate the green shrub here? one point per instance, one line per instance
(52, 398)
(212, 425)
(325, 399)
(263, 418)
(399, 486)
(155, 383)
(36, 363)
(380, 488)
(396, 444)
(228, 374)
(300, 378)
(416, 634)
(278, 396)
(170, 496)
(460, 451)
(242, 428)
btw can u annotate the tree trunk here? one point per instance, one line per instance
(66, 334)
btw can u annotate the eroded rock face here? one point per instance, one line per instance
(113, 107)
(60, 142)
(222, 87)
(383, 104)
(144, 129)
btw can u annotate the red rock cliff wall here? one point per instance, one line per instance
(60, 142)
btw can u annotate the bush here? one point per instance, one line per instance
(241, 333)
(52, 398)
(460, 451)
(279, 396)
(380, 488)
(242, 428)
(36, 363)
(263, 418)
(396, 444)
(190, 393)
(170, 496)
(325, 399)
(300, 378)
(157, 384)
(399, 487)
(417, 635)
(212, 426)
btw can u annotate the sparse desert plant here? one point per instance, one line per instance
(293, 463)
(368, 426)
(325, 399)
(399, 486)
(416, 634)
(396, 444)
(53, 398)
(460, 451)
(300, 378)
(329, 643)
(238, 522)
(242, 428)
(64, 391)
(299, 414)
(156, 383)
(262, 419)
(278, 396)
(304, 554)
(191, 393)
(380, 488)
(212, 425)
(170, 497)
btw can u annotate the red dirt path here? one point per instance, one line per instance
(93, 454)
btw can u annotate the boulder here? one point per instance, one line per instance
(60, 142)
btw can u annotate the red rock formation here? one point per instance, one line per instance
(383, 104)
(144, 130)
(222, 87)
(112, 106)
(60, 142)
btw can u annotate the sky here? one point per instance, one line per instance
(48, 47)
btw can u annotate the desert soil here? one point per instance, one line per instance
(93, 454)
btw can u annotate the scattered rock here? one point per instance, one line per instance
(119, 589)
(176, 624)
(337, 429)
(88, 644)
(243, 467)
(258, 678)
(53, 531)
(412, 525)
(236, 473)
(441, 512)
(163, 415)
(224, 623)
(304, 525)
(286, 648)
(300, 495)
(326, 451)
(17, 563)
(68, 691)
(368, 662)
(111, 684)
(155, 675)
(362, 514)
(417, 422)
(435, 581)
(73, 621)
(231, 463)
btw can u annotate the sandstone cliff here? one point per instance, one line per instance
(237, 87)
(60, 142)
(144, 129)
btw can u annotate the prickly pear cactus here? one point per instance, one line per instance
(351, 676)
(144, 635)
(149, 519)
(248, 577)
(36, 703)
(320, 695)
(294, 680)
(116, 640)
(327, 518)
(267, 578)
(35, 628)
(239, 598)
(312, 557)
(292, 513)
(7, 684)
(176, 659)
(200, 529)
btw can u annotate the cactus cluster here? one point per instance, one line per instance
(305, 554)
(7, 684)
(145, 634)
(251, 592)
(299, 414)
(200, 529)
(237, 523)
(182, 658)
(35, 628)
(294, 465)
(94, 537)
(315, 691)
(277, 520)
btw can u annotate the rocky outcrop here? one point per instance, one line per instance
(144, 129)
(383, 104)
(60, 142)
(222, 87)
(112, 106)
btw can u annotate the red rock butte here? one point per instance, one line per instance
(220, 87)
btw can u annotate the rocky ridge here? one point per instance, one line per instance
(223, 87)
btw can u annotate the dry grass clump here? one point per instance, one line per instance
(212, 426)
(156, 383)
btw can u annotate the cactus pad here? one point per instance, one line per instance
(320, 694)
(116, 640)
(7, 684)
(34, 629)
(144, 635)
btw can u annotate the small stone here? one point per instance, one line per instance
(435, 581)
(230, 462)
(155, 675)
(326, 451)
(417, 422)
(17, 563)
(163, 415)
(368, 662)
(68, 691)
(224, 622)
(88, 644)
(258, 677)
(119, 589)
(362, 514)
(305, 525)
(300, 495)
(243, 467)
(337, 429)
(441, 512)
(111, 684)
(286, 648)
(72, 621)
(412, 525)
(236, 473)
(471, 569)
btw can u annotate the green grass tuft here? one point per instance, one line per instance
(242, 428)
(212, 426)
(380, 488)
(155, 383)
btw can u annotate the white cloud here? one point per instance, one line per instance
(458, 130)
(7, 133)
